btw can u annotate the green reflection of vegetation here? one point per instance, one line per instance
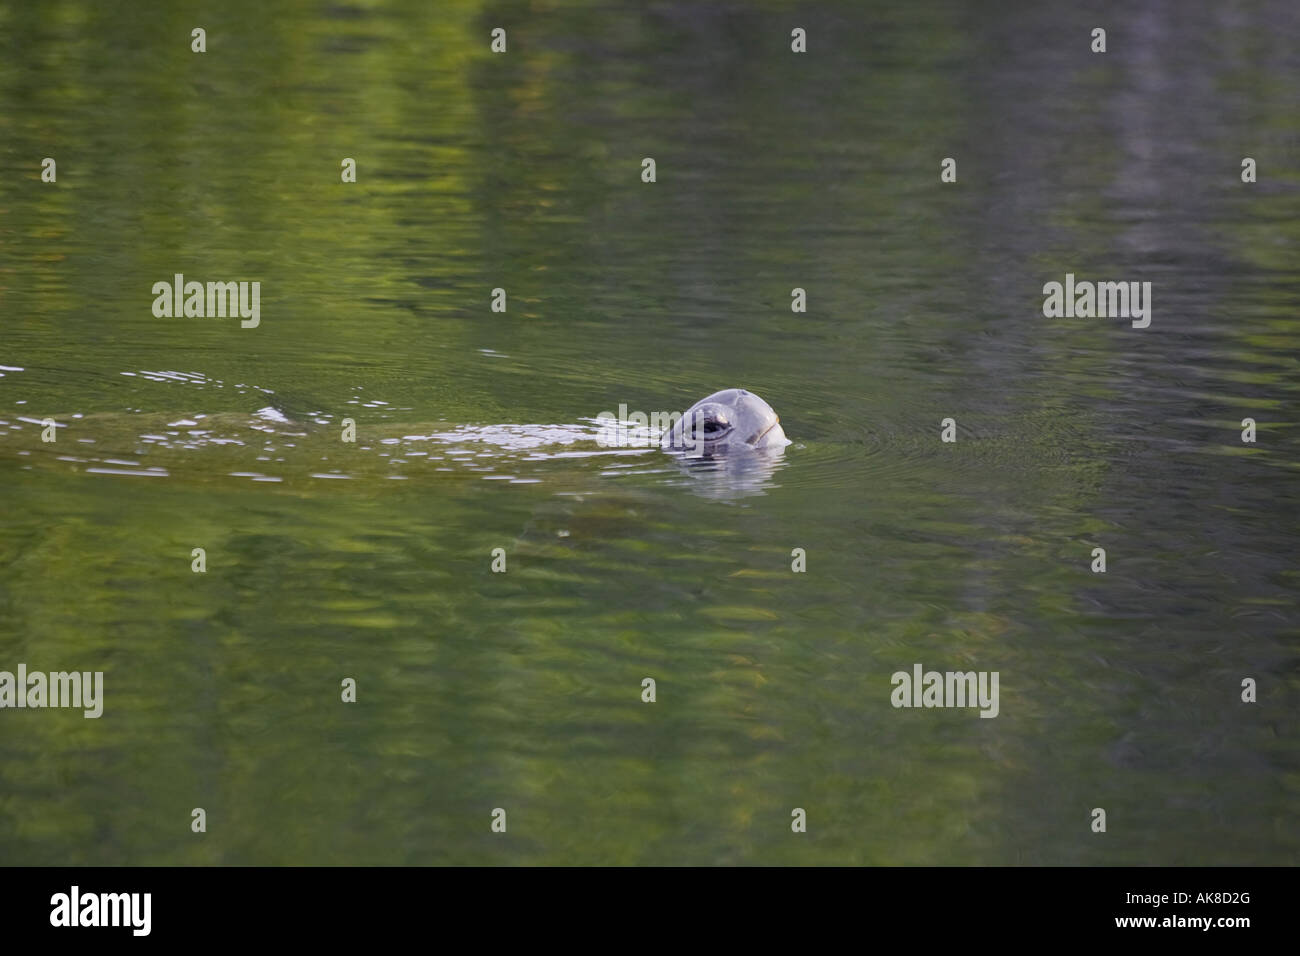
(522, 690)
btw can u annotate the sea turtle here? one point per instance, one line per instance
(728, 422)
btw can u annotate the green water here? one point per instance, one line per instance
(522, 690)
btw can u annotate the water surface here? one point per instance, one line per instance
(522, 690)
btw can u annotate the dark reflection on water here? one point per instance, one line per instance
(522, 689)
(727, 477)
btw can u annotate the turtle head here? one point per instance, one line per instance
(727, 421)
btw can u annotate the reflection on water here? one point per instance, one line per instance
(521, 688)
(739, 475)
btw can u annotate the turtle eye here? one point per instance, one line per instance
(706, 425)
(711, 423)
